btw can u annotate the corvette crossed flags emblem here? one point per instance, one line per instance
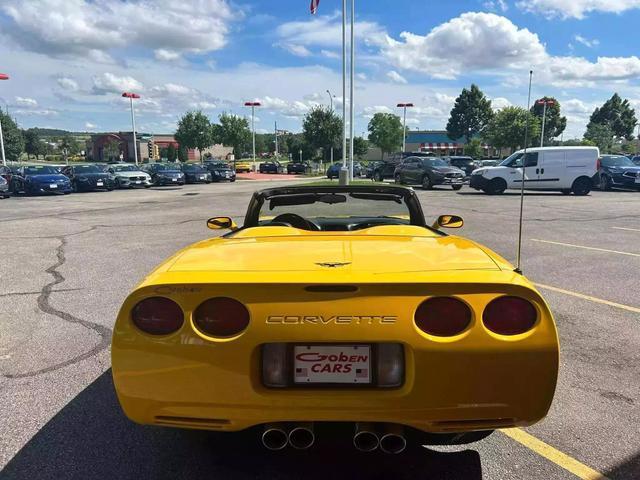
(333, 264)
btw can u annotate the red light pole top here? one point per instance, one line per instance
(405, 105)
(542, 101)
(252, 104)
(130, 95)
(4, 76)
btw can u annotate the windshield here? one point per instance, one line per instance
(435, 162)
(87, 169)
(166, 166)
(336, 205)
(511, 158)
(40, 170)
(192, 168)
(218, 165)
(463, 161)
(617, 161)
(125, 168)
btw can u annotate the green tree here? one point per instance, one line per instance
(470, 114)
(618, 115)
(194, 131)
(264, 143)
(385, 132)
(554, 123)
(474, 148)
(360, 147)
(183, 154)
(507, 128)
(322, 128)
(31, 143)
(172, 153)
(12, 137)
(68, 145)
(234, 132)
(295, 143)
(111, 150)
(601, 135)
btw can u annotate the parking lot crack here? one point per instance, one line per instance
(45, 306)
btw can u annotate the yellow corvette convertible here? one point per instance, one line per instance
(336, 306)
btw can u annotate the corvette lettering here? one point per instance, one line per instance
(333, 319)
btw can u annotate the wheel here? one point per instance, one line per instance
(496, 186)
(74, 187)
(456, 187)
(147, 186)
(207, 182)
(377, 176)
(605, 183)
(232, 180)
(581, 186)
(566, 191)
(427, 184)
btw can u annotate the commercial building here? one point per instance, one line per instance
(439, 143)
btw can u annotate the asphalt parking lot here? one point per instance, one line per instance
(68, 262)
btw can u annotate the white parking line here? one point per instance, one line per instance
(628, 229)
(589, 297)
(586, 248)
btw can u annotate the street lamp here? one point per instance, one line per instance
(544, 102)
(131, 96)
(404, 122)
(253, 105)
(4, 160)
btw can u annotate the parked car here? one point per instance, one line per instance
(4, 188)
(386, 168)
(565, 169)
(428, 172)
(467, 164)
(618, 171)
(126, 175)
(271, 166)
(86, 178)
(6, 173)
(298, 167)
(34, 179)
(243, 166)
(194, 173)
(334, 170)
(488, 163)
(220, 171)
(165, 173)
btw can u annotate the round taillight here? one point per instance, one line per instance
(221, 317)
(157, 316)
(509, 315)
(443, 316)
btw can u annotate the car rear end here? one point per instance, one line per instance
(4, 188)
(475, 351)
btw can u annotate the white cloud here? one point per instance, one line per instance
(26, 102)
(586, 42)
(326, 31)
(396, 77)
(171, 90)
(291, 109)
(500, 102)
(67, 83)
(40, 113)
(93, 28)
(109, 83)
(576, 8)
(495, 5)
(295, 49)
(369, 112)
(165, 55)
(90, 126)
(330, 54)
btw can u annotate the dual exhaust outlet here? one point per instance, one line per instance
(366, 438)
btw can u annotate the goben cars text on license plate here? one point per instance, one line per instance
(332, 364)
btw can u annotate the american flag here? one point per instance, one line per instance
(301, 372)
(314, 6)
(362, 373)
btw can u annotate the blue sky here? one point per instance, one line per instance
(70, 59)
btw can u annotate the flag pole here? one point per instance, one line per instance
(352, 76)
(518, 268)
(344, 175)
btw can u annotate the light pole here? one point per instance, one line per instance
(4, 160)
(404, 122)
(331, 108)
(352, 76)
(131, 96)
(544, 102)
(343, 178)
(253, 106)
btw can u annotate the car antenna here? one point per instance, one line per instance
(524, 162)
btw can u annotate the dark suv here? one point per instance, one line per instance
(428, 172)
(617, 171)
(463, 163)
(387, 168)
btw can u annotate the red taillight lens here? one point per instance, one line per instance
(509, 315)
(157, 316)
(221, 317)
(443, 316)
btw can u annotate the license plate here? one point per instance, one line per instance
(53, 185)
(202, 177)
(138, 182)
(99, 184)
(174, 179)
(638, 180)
(347, 364)
(227, 174)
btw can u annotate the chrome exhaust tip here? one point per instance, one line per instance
(274, 437)
(301, 436)
(393, 441)
(365, 439)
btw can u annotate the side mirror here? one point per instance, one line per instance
(221, 223)
(448, 221)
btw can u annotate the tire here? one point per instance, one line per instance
(605, 183)
(456, 187)
(377, 176)
(496, 186)
(566, 191)
(232, 180)
(581, 186)
(427, 184)
(74, 187)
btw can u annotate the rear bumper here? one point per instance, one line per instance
(472, 382)
(623, 181)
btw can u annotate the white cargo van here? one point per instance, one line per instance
(564, 169)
